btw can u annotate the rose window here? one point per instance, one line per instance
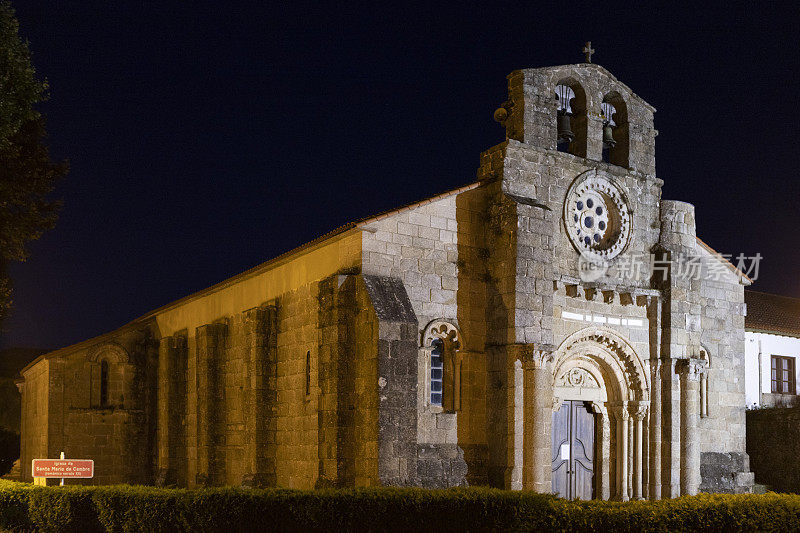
(597, 217)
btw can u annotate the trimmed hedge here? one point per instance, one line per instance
(134, 508)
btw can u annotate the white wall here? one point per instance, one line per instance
(762, 346)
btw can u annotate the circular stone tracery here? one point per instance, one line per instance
(597, 217)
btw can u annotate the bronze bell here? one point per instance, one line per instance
(565, 134)
(608, 136)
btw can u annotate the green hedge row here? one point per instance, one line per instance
(133, 508)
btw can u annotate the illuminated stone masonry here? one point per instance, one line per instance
(486, 336)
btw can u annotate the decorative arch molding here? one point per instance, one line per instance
(441, 365)
(111, 351)
(582, 378)
(444, 330)
(604, 350)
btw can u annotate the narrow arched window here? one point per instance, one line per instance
(104, 383)
(437, 372)
(308, 373)
(571, 117)
(614, 114)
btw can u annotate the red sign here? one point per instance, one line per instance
(63, 468)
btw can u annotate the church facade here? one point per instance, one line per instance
(555, 326)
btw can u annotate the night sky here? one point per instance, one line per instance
(206, 138)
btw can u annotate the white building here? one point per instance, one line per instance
(772, 349)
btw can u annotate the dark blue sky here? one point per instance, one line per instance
(205, 138)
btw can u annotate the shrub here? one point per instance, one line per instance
(123, 508)
(14, 499)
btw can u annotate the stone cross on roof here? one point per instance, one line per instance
(588, 50)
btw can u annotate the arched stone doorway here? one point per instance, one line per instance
(600, 395)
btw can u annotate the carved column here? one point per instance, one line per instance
(655, 430)
(704, 395)
(690, 371)
(602, 444)
(671, 429)
(638, 415)
(622, 415)
(538, 413)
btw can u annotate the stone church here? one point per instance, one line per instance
(539, 329)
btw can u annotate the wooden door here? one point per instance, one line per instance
(573, 451)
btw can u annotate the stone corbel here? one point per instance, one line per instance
(571, 290)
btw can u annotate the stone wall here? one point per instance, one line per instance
(434, 248)
(299, 392)
(774, 447)
(34, 419)
(64, 409)
(532, 112)
(542, 177)
(722, 315)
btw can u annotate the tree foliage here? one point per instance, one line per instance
(9, 449)
(27, 174)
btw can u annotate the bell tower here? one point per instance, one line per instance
(583, 110)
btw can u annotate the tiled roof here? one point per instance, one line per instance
(770, 313)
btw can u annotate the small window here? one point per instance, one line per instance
(308, 373)
(437, 370)
(783, 375)
(104, 383)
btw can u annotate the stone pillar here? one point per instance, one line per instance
(638, 415)
(208, 340)
(704, 395)
(396, 394)
(602, 444)
(261, 397)
(622, 415)
(167, 353)
(537, 426)
(690, 371)
(528, 428)
(655, 430)
(671, 427)
(514, 395)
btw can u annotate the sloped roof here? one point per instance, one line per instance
(771, 313)
(744, 278)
